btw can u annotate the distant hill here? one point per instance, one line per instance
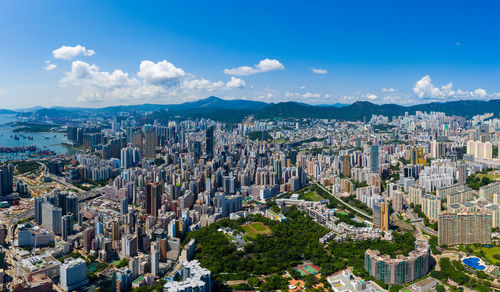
(236, 110)
(6, 111)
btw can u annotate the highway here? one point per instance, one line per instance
(420, 223)
(359, 211)
(58, 179)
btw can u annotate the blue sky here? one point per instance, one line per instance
(98, 53)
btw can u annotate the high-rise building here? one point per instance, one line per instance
(73, 274)
(278, 169)
(115, 230)
(129, 157)
(209, 142)
(400, 270)
(462, 173)
(112, 148)
(154, 192)
(194, 278)
(196, 149)
(374, 164)
(155, 260)
(88, 235)
(6, 179)
(38, 210)
(431, 206)
(381, 215)
(124, 205)
(464, 228)
(129, 245)
(73, 134)
(150, 141)
(67, 226)
(346, 166)
(51, 218)
(229, 184)
(220, 203)
(71, 206)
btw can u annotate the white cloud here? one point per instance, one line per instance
(389, 89)
(202, 84)
(50, 67)
(425, 89)
(154, 80)
(263, 66)
(161, 73)
(370, 96)
(319, 71)
(68, 53)
(311, 95)
(235, 83)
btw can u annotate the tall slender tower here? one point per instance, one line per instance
(209, 142)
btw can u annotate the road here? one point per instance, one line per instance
(420, 224)
(58, 179)
(359, 211)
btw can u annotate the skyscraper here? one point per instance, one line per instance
(38, 210)
(464, 228)
(155, 259)
(67, 226)
(6, 176)
(112, 149)
(71, 203)
(278, 169)
(51, 218)
(462, 173)
(374, 158)
(209, 142)
(154, 193)
(150, 141)
(73, 274)
(381, 215)
(124, 206)
(346, 166)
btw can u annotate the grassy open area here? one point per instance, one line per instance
(489, 253)
(491, 176)
(255, 228)
(246, 228)
(310, 196)
(26, 166)
(260, 227)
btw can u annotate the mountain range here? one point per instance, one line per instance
(236, 110)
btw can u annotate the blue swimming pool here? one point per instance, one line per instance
(473, 262)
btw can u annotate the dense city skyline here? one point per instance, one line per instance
(206, 146)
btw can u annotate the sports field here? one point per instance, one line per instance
(307, 270)
(311, 196)
(251, 230)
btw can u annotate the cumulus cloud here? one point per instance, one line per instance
(389, 89)
(235, 83)
(68, 53)
(370, 96)
(263, 66)
(161, 73)
(154, 80)
(202, 84)
(425, 89)
(50, 66)
(98, 85)
(319, 71)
